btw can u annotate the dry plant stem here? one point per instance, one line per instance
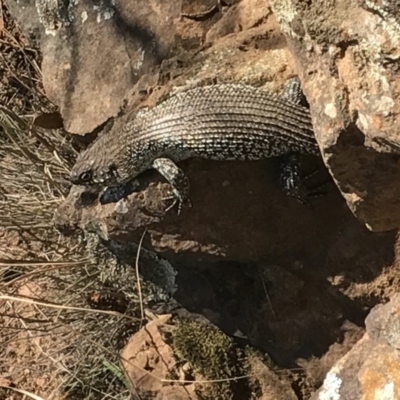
(24, 392)
(62, 307)
(138, 278)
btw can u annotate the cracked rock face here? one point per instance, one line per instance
(347, 57)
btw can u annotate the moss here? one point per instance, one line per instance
(214, 355)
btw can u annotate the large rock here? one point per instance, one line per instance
(371, 369)
(347, 57)
(93, 54)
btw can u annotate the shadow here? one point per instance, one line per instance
(300, 320)
(285, 276)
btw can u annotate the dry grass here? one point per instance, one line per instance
(52, 344)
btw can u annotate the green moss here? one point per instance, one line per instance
(215, 356)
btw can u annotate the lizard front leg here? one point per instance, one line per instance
(177, 179)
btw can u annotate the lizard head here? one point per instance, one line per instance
(101, 165)
(87, 173)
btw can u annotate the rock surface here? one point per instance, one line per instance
(371, 369)
(347, 56)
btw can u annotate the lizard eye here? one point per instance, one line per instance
(85, 176)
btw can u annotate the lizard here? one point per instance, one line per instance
(230, 121)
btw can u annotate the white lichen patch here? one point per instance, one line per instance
(384, 105)
(138, 62)
(84, 16)
(387, 392)
(387, 21)
(49, 16)
(379, 41)
(331, 387)
(285, 12)
(121, 207)
(363, 121)
(104, 11)
(331, 110)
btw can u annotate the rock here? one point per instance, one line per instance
(383, 323)
(271, 387)
(94, 54)
(347, 57)
(134, 38)
(370, 370)
(245, 16)
(317, 368)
